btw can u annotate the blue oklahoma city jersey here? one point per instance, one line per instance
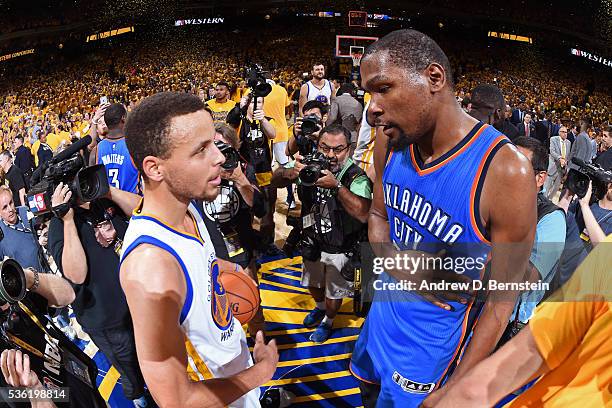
(120, 169)
(408, 345)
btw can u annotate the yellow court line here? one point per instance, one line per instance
(326, 395)
(312, 343)
(284, 275)
(273, 298)
(108, 383)
(293, 268)
(314, 360)
(317, 377)
(282, 285)
(297, 317)
(280, 263)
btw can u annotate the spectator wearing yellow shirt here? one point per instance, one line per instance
(221, 104)
(566, 343)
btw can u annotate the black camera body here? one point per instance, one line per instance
(257, 82)
(578, 180)
(68, 167)
(231, 155)
(311, 124)
(314, 164)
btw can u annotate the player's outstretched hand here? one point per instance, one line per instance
(266, 355)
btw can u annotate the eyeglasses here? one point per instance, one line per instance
(337, 150)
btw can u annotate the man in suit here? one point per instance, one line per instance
(509, 129)
(582, 147)
(526, 128)
(604, 159)
(542, 131)
(572, 133)
(557, 162)
(518, 115)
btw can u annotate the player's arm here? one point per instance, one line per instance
(303, 96)
(513, 365)
(127, 201)
(155, 290)
(378, 225)
(512, 222)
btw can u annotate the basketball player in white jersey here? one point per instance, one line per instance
(318, 88)
(191, 350)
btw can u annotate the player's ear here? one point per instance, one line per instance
(436, 76)
(152, 168)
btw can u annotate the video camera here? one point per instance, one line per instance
(68, 167)
(53, 357)
(231, 155)
(257, 82)
(311, 124)
(578, 180)
(314, 164)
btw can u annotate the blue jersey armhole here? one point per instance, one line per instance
(146, 239)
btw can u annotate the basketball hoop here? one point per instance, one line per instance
(356, 54)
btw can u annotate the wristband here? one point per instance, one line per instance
(36, 281)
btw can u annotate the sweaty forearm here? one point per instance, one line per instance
(220, 392)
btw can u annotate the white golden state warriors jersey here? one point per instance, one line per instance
(214, 339)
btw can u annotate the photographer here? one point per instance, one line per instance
(85, 244)
(587, 225)
(304, 142)
(332, 226)
(345, 110)
(233, 209)
(255, 133)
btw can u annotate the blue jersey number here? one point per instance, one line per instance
(113, 175)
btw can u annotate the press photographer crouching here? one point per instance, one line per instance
(233, 209)
(304, 140)
(35, 354)
(332, 226)
(587, 200)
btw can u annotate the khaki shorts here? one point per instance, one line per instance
(325, 273)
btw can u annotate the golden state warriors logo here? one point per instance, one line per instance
(222, 314)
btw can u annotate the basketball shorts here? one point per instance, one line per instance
(325, 273)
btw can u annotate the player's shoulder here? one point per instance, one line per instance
(152, 267)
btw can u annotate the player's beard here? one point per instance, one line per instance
(186, 190)
(400, 142)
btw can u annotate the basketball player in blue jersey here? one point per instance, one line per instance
(191, 350)
(113, 152)
(445, 183)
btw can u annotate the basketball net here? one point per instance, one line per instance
(356, 56)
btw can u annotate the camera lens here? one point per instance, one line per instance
(310, 174)
(12, 281)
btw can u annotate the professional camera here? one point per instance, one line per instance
(311, 124)
(578, 180)
(314, 163)
(68, 167)
(231, 155)
(12, 282)
(257, 82)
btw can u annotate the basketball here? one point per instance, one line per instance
(242, 293)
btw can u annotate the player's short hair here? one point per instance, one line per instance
(316, 64)
(411, 50)
(224, 83)
(488, 97)
(539, 159)
(337, 129)
(314, 104)
(113, 115)
(147, 130)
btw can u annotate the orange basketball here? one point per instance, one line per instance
(242, 293)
